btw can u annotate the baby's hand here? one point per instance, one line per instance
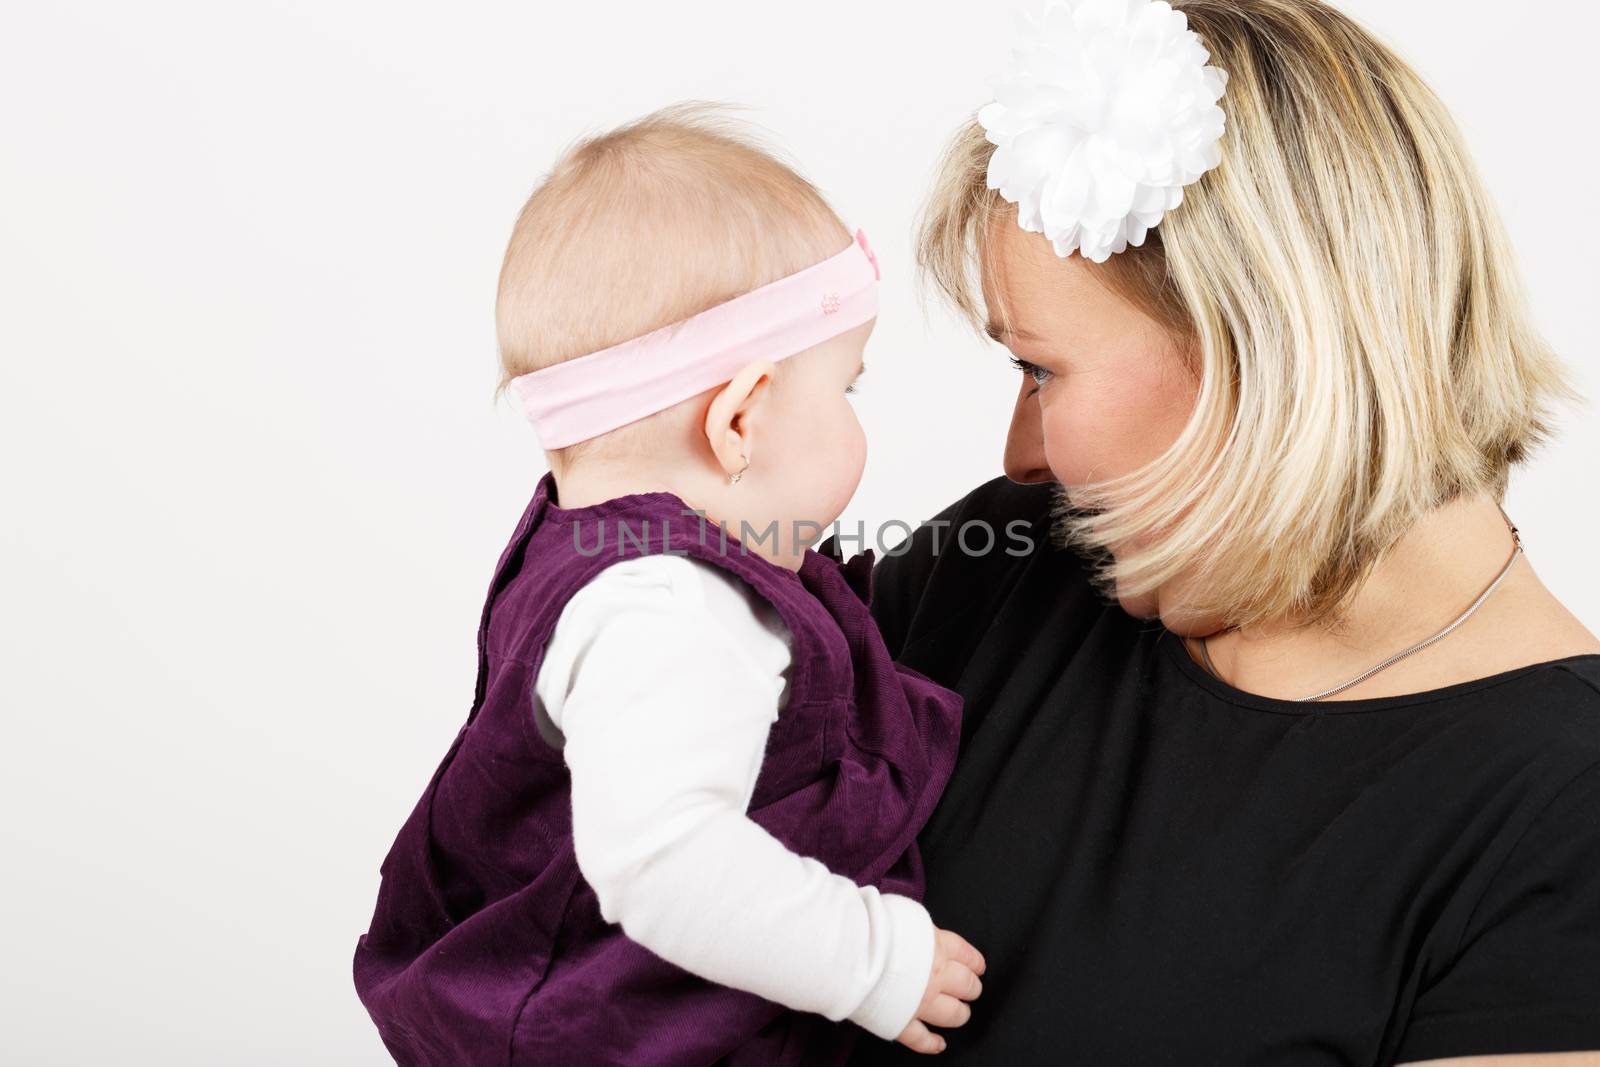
(954, 981)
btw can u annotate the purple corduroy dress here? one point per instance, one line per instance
(487, 945)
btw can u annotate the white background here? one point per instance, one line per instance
(254, 486)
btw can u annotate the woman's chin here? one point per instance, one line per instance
(1165, 605)
(1142, 605)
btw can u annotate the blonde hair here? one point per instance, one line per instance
(648, 224)
(1352, 306)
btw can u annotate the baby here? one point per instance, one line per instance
(678, 825)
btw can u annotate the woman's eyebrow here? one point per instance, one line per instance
(999, 333)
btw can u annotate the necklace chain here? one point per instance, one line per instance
(1205, 653)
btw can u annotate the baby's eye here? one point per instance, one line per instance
(1032, 370)
(850, 388)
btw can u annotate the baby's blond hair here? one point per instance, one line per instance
(649, 224)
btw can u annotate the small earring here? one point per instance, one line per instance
(733, 479)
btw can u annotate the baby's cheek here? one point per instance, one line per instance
(858, 439)
(846, 456)
(857, 451)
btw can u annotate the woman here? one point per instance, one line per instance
(1212, 818)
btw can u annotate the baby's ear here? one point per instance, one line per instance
(729, 416)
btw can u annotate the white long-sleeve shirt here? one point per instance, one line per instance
(660, 682)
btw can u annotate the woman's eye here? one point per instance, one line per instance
(1032, 370)
(850, 388)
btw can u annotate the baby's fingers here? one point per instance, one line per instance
(958, 981)
(918, 1038)
(957, 948)
(946, 1011)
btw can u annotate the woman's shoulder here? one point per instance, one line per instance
(1526, 962)
(1523, 735)
(1585, 668)
(1526, 951)
(1536, 660)
(1545, 721)
(1557, 704)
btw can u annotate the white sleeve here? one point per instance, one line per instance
(664, 675)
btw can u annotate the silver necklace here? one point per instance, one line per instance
(1205, 653)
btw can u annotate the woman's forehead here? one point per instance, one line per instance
(1030, 291)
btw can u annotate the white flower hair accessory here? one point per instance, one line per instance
(1108, 110)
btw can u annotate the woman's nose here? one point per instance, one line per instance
(1024, 455)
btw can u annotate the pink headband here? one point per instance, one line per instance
(594, 394)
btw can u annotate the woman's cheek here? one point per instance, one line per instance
(1106, 428)
(1074, 444)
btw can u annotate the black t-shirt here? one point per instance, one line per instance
(1162, 869)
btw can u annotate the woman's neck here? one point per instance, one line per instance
(1425, 582)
